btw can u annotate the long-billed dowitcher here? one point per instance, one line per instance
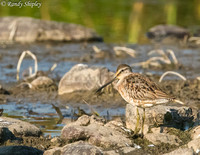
(139, 91)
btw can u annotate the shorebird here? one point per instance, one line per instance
(138, 90)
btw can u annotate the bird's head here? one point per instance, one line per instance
(122, 70)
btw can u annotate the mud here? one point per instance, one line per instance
(35, 106)
(41, 143)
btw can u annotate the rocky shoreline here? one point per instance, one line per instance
(169, 129)
(93, 135)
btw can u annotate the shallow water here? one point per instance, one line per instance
(44, 116)
(66, 56)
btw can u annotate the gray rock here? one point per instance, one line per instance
(56, 141)
(164, 129)
(97, 134)
(81, 148)
(195, 144)
(181, 151)
(162, 32)
(83, 77)
(54, 151)
(116, 124)
(175, 116)
(43, 83)
(111, 152)
(97, 120)
(26, 29)
(83, 120)
(5, 134)
(4, 91)
(10, 127)
(124, 150)
(157, 138)
(128, 150)
(195, 132)
(19, 150)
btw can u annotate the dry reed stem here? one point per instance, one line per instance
(171, 72)
(91, 108)
(195, 39)
(129, 51)
(24, 53)
(13, 28)
(29, 84)
(96, 49)
(161, 52)
(167, 61)
(173, 56)
(30, 71)
(53, 67)
(154, 60)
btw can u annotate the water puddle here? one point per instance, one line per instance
(45, 117)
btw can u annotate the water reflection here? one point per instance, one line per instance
(117, 21)
(44, 115)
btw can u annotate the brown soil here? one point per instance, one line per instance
(186, 91)
(41, 143)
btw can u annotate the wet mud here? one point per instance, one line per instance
(28, 103)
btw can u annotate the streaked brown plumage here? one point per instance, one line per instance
(141, 91)
(138, 90)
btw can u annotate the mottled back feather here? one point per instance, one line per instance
(139, 87)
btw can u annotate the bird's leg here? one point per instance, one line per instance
(137, 123)
(143, 119)
(155, 120)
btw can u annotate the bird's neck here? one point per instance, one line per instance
(121, 77)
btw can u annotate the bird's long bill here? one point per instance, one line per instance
(99, 90)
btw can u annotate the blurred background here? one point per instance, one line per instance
(116, 21)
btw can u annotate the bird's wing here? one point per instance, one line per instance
(140, 87)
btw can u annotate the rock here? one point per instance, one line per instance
(116, 124)
(157, 138)
(124, 150)
(19, 150)
(180, 117)
(181, 151)
(16, 127)
(195, 132)
(54, 151)
(164, 129)
(107, 137)
(111, 152)
(57, 141)
(97, 120)
(128, 150)
(195, 145)
(83, 120)
(43, 83)
(95, 133)
(28, 29)
(82, 77)
(4, 91)
(81, 148)
(167, 33)
(5, 134)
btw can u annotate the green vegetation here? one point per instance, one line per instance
(116, 20)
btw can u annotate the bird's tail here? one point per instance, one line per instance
(178, 101)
